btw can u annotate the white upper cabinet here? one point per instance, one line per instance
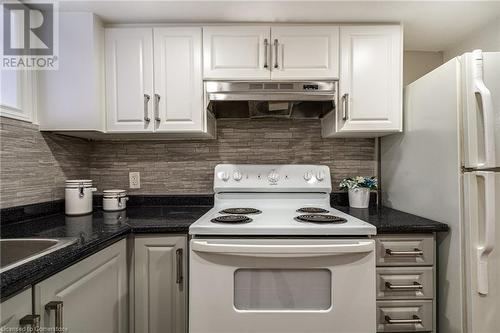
(305, 52)
(370, 93)
(129, 79)
(178, 99)
(264, 53)
(72, 97)
(236, 52)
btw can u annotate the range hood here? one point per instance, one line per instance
(283, 99)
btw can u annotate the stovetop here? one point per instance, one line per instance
(274, 194)
(278, 217)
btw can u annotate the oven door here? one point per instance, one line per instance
(282, 285)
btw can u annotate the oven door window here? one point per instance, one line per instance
(282, 289)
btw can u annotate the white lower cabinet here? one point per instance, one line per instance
(160, 284)
(90, 296)
(15, 312)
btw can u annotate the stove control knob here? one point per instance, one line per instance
(223, 175)
(308, 176)
(273, 176)
(320, 176)
(237, 175)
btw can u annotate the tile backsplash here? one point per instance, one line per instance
(34, 165)
(173, 167)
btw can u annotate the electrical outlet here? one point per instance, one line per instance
(134, 179)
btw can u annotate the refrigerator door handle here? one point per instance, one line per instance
(488, 244)
(483, 94)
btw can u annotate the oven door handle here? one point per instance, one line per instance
(282, 250)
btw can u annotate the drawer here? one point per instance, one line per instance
(402, 250)
(404, 316)
(405, 283)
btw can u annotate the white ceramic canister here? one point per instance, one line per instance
(78, 195)
(114, 200)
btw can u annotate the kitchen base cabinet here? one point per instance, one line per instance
(406, 283)
(90, 296)
(160, 284)
(15, 311)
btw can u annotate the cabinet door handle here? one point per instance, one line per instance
(146, 103)
(345, 106)
(414, 286)
(57, 306)
(266, 45)
(157, 107)
(32, 321)
(414, 253)
(276, 53)
(179, 266)
(414, 320)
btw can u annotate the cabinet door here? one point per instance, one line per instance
(13, 309)
(160, 290)
(305, 52)
(129, 79)
(178, 100)
(370, 98)
(236, 52)
(93, 293)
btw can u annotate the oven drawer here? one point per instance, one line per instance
(404, 316)
(405, 283)
(402, 250)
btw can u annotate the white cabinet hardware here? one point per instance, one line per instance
(147, 98)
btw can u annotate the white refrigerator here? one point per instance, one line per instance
(445, 166)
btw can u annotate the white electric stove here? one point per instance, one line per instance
(275, 200)
(273, 256)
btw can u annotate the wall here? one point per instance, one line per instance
(187, 166)
(34, 165)
(418, 63)
(486, 38)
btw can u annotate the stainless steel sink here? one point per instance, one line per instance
(17, 251)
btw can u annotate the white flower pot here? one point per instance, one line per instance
(359, 197)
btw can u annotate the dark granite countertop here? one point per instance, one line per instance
(100, 229)
(391, 221)
(94, 232)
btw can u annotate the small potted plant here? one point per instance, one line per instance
(359, 190)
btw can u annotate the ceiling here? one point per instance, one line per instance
(428, 25)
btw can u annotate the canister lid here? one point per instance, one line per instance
(78, 183)
(114, 193)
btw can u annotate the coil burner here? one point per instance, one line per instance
(240, 211)
(321, 218)
(232, 219)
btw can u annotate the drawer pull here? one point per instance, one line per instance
(415, 320)
(414, 286)
(57, 306)
(33, 321)
(414, 253)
